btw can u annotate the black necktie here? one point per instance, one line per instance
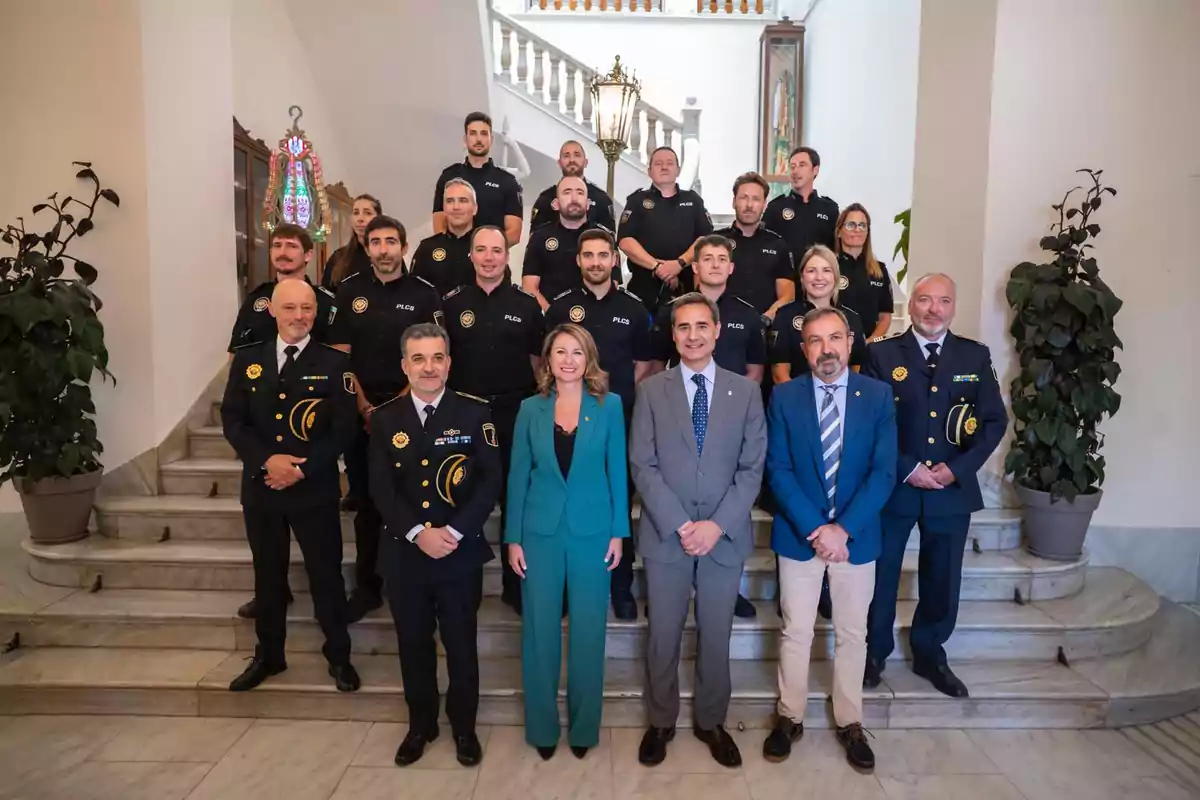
(931, 360)
(289, 358)
(428, 416)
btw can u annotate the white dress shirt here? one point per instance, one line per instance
(419, 405)
(921, 340)
(689, 386)
(280, 345)
(839, 395)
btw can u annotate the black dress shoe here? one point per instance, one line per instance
(653, 749)
(361, 603)
(744, 609)
(467, 749)
(345, 677)
(942, 678)
(625, 608)
(853, 738)
(256, 673)
(724, 750)
(873, 674)
(547, 753)
(249, 610)
(579, 752)
(413, 746)
(778, 745)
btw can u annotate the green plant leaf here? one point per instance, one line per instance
(110, 196)
(86, 272)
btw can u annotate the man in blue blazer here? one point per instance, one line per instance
(831, 464)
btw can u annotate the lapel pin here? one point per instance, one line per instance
(858, 394)
(731, 392)
(587, 419)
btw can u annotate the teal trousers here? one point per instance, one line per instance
(577, 563)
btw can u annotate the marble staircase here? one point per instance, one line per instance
(141, 618)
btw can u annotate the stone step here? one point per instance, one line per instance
(209, 442)
(226, 564)
(1113, 614)
(195, 517)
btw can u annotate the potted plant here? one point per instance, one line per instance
(1062, 326)
(51, 343)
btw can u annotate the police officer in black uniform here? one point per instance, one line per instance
(803, 217)
(866, 285)
(497, 192)
(620, 324)
(288, 411)
(496, 330)
(291, 248)
(659, 227)
(435, 476)
(444, 259)
(572, 160)
(550, 266)
(763, 274)
(379, 305)
(950, 418)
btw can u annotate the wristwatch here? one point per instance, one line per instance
(682, 264)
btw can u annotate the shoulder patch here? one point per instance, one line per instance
(561, 295)
(631, 294)
(330, 294)
(422, 280)
(472, 397)
(452, 292)
(885, 337)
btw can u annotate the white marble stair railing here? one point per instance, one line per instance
(1113, 614)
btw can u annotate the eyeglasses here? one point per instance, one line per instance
(855, 226)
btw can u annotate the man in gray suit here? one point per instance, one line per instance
(696, 450)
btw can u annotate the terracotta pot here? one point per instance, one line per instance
(1056, 530)
(58, 509)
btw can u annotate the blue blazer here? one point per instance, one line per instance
(795, 466)
(594, 499)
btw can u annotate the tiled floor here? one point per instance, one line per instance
(162, 758)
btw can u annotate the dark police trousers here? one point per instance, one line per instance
(939, 581)
(504, 417)
(367, 521)
(318, 531)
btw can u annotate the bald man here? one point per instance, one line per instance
(289, 413)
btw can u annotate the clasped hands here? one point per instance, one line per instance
(436, 542)
(516, 556)
(829, 542)
(668, 273)
(698, 538)
(938, 476)
(283, 471)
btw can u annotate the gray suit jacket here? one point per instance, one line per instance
(676, 485)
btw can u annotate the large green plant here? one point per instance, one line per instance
(51, 342)
(1062, 325)
(904, 220)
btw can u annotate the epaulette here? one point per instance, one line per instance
(969, 339)
(524, 291)
(422, 280)
(561, 295)
(349, 277)
(744, 302)
(326, 291)
(391, 400)
(472, 397)
(765, 229)
(452, 292)
(884, 338)
(247, 344)
(606, 229)
(334, 348)
(631, 294)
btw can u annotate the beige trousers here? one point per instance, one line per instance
(851, 587)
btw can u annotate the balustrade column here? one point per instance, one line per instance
(570, 98)
(522, 60)
(585, 110)
(635, 135)
(539, 78)
(555, 87)
(669, 137)
(651, 134)
(506, 53)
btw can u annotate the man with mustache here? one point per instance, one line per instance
(950, 417)
(550, 268)
(572, 160)
(497, 191)
(379, 306)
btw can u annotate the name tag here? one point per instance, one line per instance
(686, 204)
(737, 326)
(620, 320)
(491, 185)
(769, 252)
(405, 307)
(966, 379)
(445, 440)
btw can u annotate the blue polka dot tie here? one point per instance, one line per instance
(700, 412)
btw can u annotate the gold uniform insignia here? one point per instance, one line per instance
(647, 204)
(439, 254)
(261, 304)
(450, 473)
(798, 323)
(466, 318)
(843, 283)
(899, 374)
(302, 417)
(489, 434)
(400, 440)
(970, 426)
(253, 371)
(577, 314)
(551, 244)
(789, 214)
(348, 382)
(359, 305)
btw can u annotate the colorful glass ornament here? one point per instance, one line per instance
(296, 186)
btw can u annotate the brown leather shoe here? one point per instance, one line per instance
(853, 738)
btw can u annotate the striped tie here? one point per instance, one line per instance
(831, 444)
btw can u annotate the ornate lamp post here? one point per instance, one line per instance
(614, 96)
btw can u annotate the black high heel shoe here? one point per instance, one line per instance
(546, 753)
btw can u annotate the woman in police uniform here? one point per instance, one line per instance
(820, 287)
(568, 510)
(352, 256)
(864, 284)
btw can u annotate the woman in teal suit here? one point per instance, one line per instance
(568, 510)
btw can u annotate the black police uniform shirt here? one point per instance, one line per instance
(359, 262)
(497, 192)
(665, 227)
(254, 322)
(758, 261)
(445, 473)
(376, 314)
(599, 212)
(550, 255)
(492, 337)
(742, 341)
(308, 412)
(619, 323)
(802, 224)
(785, 342)
(857, 289)
(445, 261)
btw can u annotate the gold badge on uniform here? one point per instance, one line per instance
(439, 254)
(970, 426)
(359, 305)
(843, 283)
(899, 374)
(551, 244)
(348, 382)
(577, 314)
(789, 214)
(489, 434)
(647, 204)
(798, 323)
(253, 371)
(466, 318)
(261, 304)
(302, 417)
(400, 440)
(450, 474)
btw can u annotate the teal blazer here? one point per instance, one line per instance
(595, 500)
